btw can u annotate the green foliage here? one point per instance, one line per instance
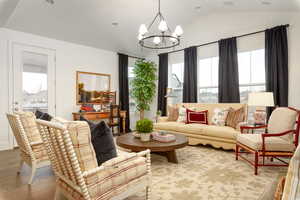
(144, 126)
(143, 84)
(158, 113)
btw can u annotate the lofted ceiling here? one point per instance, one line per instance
(90, 22)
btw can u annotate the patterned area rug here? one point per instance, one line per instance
(205, 173)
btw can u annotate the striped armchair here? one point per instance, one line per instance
(29, 141)
(78, 175)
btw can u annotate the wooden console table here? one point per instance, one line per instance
(99, 116)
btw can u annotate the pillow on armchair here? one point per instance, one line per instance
(102, 140)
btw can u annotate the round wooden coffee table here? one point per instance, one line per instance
(128, 141)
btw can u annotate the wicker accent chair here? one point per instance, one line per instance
(78, 175)
(280, 139)
(31, 147)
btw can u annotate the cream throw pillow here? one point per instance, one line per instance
(219, 116)
(182, 114)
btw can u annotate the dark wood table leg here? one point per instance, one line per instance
(171, 156)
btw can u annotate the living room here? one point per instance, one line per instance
(76, 52)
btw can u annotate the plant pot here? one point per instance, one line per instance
(145, 137)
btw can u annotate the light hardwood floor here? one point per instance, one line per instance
(15, 187)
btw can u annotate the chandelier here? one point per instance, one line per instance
(163, 38)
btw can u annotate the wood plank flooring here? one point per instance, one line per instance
(15, 187)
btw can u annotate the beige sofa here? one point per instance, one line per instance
(217, 136)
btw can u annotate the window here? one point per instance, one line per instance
(251, 72)
(176, 82)
(208, 80)
(131, 61)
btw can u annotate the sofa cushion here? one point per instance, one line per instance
(219, 131)
(219, 116)
(173, 113)
(211, 106)
(282, 119)
(198, 117)
(198, 129)
(234, 117)
(254, 141)
(170, 126)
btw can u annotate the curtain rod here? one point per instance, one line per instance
(209, 43)
(132, 56)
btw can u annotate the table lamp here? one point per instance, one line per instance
(260, 99)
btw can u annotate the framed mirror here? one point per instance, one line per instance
(92, 88)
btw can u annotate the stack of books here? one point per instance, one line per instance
(163, 137)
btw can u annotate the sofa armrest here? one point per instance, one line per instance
(162, 119)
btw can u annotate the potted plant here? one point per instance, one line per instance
(144, 127)
(143, 85)
(158, 115)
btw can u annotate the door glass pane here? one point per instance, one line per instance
(34, 82)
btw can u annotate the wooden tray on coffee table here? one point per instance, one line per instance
(128, 141)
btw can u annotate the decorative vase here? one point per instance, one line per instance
(145, 137)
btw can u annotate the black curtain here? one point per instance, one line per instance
(123, 88)
(276, 62)
(228, 71)
(190, 75)
(162, 83)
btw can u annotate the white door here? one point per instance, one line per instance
(33, 77)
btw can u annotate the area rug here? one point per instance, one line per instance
(205, 173)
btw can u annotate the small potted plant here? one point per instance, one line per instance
(158, 115)
(144, 127)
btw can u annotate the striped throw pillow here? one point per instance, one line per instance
(234, 117)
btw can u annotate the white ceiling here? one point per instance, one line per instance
(89, 22)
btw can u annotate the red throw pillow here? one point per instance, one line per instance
(199, 117)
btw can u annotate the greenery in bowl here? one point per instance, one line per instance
(144, 126)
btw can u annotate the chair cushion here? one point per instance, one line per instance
(81, 138)
(30, 126)
(292, 181)
(105, 183)
(254, 141)
(102, 141)
(282, 119)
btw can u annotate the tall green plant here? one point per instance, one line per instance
(143, 85)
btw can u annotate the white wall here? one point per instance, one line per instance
(69, 59)
(217, 26)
